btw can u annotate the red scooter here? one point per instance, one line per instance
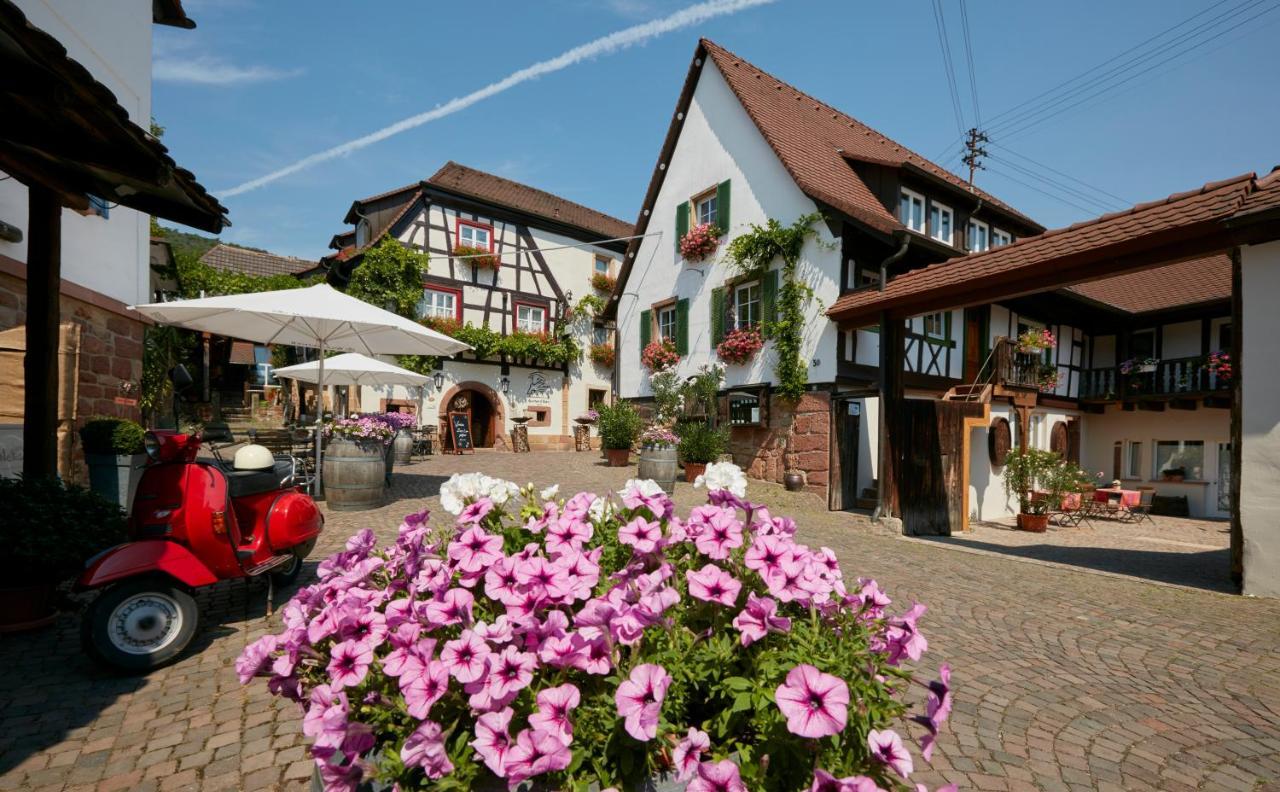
(195, 522)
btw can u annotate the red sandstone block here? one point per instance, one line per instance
(809, 424)
(128, 348)
(122, 369)
(808, 442)
(811, 460)
(818, 477)
(816, 401)
(120, 326)
(100, 364)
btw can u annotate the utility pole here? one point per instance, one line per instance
(974, 152)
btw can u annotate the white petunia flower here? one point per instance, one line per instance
(723, 476)
(599, 509)
(550, 493)
(644, 487)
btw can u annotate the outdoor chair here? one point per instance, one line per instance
(1081, 513)
(423, 442)
(1142, 511)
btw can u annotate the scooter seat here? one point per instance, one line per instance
(253, 482)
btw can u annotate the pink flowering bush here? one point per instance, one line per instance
(363, 427)
(740, 345)
(1036, 341)
(599, 640)
(660, 354)
(396, 421)
(699, 242)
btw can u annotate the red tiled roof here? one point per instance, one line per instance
(813, 140)
(1267, 196)
(254, 262)
(504, 192)
(1191, 282)
(1094, 238)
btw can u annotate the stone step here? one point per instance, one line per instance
(865, 503)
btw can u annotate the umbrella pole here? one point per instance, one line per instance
(315, 485)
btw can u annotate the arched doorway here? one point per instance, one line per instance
(480, 403)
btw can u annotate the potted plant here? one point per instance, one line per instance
(355, 462)
(477, 257)
(49, 530)
(1038, 479)
(1173, 474)
(602, 355)
(603, 282)
(660, 354)
(113, 450)
(699, 242)
(588, 418)
(700, 445)
(619, 425)
(658, 456)
(424, 665)
(1036, 341)
(740, 346)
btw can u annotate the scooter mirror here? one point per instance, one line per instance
(217, 433)
(180, 377)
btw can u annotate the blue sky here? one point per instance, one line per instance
(261, 84)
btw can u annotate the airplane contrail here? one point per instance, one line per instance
(605, 45)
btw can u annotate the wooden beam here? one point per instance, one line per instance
(892, 361)
(40, 365)
(1237, 417)
(1182, 404)
(1151, 406)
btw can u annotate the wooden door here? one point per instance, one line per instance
(972, 345)
(848, 435)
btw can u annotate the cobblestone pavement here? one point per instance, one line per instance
(1065, 679)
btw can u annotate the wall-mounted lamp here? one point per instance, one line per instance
(505, 385)
(439, 380)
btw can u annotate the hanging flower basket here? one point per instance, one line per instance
(481, 258)
(1219, 365)
(740, 346)
(602, 354)
(1048, 379)
(1036, 341)
(659, 355)
(699, 242)
(603, 283)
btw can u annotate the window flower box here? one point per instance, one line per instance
(602, 354)
(1034, 341)
(603, 283)
(699, 242)
(478, 257)
(659, 354)
(740, 346)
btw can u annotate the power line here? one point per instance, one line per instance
(1061, 188)
(1043, 192)
(947, 65)
(968, 54)
(1007, 150)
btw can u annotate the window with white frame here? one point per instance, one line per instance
(941, 222)
(911, 210)
(531, 318)
(600, 335)
(602, 265)
(667, 322)
(746, 305)
(999, 237)
(979, 236)
(474, 236)
(439, 304)
(1179, 456)
(858, 277)
(935, 325)
(704, 209)
(1133, 460)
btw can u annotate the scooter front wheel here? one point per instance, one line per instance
(140, 624)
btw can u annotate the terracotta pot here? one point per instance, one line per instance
(26, 607)
(618, 457)
(1035, 523)
(694, 469)
(793, 481)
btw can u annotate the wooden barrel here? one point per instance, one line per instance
(354, 474)
(658, 464)
(403, 445)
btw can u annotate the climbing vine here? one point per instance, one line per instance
(390, 275)
(750, 255)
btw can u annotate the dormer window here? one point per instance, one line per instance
(979, 236)
(941, 222)
(362, 233)
(911, 210)
(999, 237)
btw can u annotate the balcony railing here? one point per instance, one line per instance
(1017, 369)
(1187, 376)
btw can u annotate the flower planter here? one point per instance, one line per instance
(1173, 477)
(658, 463)
(694, 469)
(403, 445)
(26, 607)
(793, 481)
(115, 477)
(1035, 523)
(389, 458)
(618, 457)
(355, 473)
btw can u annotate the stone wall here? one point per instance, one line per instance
(110, 357)
(798, 437)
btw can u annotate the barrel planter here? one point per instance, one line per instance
(355, 473)
(389, 457)
(658, 463)
(404, 447)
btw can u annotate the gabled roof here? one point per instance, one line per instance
(254, 262)
(813, 140)
(493, 189)
(1183, 226)
(407, 191)
(1200, 280)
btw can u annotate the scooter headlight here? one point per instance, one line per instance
(152, 445)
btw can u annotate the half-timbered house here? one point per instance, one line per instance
(511, 258)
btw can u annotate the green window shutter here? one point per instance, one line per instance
(645, 328)
(682, 327)
(722, 207)
(717, 316)
(768, 298)
(682, 222)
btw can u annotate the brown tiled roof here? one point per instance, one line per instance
(254, 262)
(1199, 280)
(504, 192)
(1267, 196)
(813, 139)
(1094, 239)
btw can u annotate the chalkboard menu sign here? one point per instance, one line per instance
(460, 428)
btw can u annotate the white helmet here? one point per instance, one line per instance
(254, 457)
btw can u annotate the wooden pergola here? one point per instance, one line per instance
(65, 136)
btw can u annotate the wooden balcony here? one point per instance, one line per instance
(1174, 379)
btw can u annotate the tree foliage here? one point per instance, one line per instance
(390, 276)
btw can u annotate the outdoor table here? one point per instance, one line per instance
(1125, 498)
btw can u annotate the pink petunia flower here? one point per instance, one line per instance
(887, 748)
(825, 782)
(500, 581)
(719, 776)
(475, 550)
(541, 578)
(466, 657)
(759, 618)
(766, 552)
(422, 690)
(553, 710)
(425, 748)
(510, 672)
(493, 741)
(688, 753)
(453, 608)
(475, 512)
(815, 704)
(536, 752)
(639, 700)
(719, 534)
(713, 584)
(349, 663)
(903, 637)
(641, 534)
(567, 534)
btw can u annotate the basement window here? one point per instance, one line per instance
(746, 408)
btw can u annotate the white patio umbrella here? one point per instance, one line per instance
(353, 368)
(319, 317)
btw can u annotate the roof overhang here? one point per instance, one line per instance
(171, 13)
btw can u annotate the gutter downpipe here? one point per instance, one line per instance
(884, 279)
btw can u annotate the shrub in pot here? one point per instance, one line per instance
(619, 425)
(593, 642)
(49, 530)
(115, 454)
(700, 445)
(1039, 480)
